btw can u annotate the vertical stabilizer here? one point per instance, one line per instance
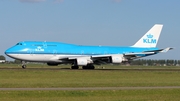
(150, 39)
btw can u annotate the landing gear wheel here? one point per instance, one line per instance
(84, 67)
(74, 67)
(88, 67)
(92, 67)
(23, 66)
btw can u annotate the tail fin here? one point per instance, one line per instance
(150, 39)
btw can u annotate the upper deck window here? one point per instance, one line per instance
(43, 45)
(51, 45)
(37, 45)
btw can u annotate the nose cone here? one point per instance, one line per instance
(15, 50)
(9, 51)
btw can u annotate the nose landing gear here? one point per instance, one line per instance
(23, 64)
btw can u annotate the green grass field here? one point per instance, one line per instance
(55, 77)
(107, 95)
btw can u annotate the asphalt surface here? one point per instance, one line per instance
(88, 88)
(119, 69)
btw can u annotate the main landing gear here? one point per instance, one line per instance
(74, 67)
(89, 66)
(23, 64)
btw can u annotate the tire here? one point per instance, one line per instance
(88, 67)
(23, 66)
(74, 67)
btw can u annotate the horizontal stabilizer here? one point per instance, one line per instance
(166, 50)
(160, 50)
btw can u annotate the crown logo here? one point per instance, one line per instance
(149, 36)
(38, 47)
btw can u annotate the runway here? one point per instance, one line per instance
(120, 69)
(88, 88)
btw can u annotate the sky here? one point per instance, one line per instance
(90, 22)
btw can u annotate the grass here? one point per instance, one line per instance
(82, 78)
(47, 78)
(108, 95)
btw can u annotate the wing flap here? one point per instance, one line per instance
(140, 53)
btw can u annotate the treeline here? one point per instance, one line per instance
(151, 62)
(2, 57)
(145, 62)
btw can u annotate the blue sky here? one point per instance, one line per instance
(90, 22)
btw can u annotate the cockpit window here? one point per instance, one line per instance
(19, 44)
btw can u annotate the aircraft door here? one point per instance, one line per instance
(105, 52)
(44, 45)
(55, 52)
(82, 52)
(31, 52)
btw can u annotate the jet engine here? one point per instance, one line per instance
(116, 59)
(82, 61)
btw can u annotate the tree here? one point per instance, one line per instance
(17, 61)
(2, 57)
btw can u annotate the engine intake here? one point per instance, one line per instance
(116, 59)
(81, 61)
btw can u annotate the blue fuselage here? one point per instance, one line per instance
(32, 47)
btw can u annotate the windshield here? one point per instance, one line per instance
(19, 44)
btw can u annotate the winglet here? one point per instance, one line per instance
(150, 39)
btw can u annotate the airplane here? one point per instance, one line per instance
(55, 53)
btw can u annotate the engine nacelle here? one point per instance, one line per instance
(116, 59)
(82, 61)
(52, 64)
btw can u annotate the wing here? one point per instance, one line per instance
(131, 56)
(108, 58)
(127, 56)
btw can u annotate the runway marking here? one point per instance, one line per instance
(88, 88)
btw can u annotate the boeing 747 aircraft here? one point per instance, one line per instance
(54, 53)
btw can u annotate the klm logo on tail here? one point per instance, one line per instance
(149, 39)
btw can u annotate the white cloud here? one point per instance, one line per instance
(32, 1)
